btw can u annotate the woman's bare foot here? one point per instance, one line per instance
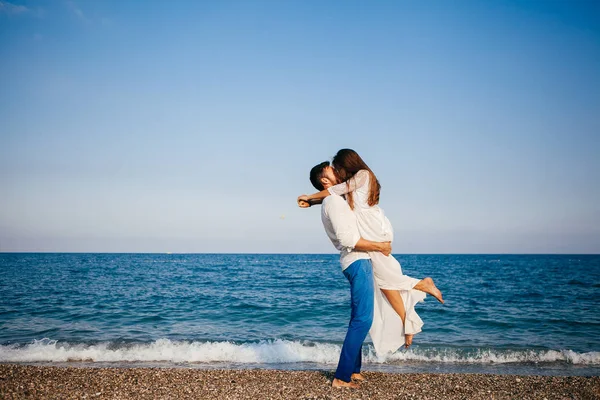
(408, 340)
(337, 383)
(426, 285)
(358, 377)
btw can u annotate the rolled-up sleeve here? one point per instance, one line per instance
(343, 222)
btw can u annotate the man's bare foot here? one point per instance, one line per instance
(427, 286)
(358, 377)
(408, 340)
(337, 383)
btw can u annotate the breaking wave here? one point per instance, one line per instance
(272, 351)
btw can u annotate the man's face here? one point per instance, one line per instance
(331, 175)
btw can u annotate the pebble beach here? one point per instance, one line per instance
(47, 382)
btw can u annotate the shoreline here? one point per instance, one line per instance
(406, 367)
(27, 381)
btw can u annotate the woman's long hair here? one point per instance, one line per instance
(347, 163)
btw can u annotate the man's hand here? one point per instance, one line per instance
(386, 248)
(366, 245)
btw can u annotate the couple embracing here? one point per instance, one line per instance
(382, 298)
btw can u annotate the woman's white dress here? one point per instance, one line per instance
(387, 331)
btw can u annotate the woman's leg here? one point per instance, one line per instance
(426, 285)
(389, 275)
(401, 297)
(397, 304)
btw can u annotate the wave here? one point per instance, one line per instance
(268, 352)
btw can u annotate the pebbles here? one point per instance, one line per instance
(36, 382)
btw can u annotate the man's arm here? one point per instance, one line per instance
(367, 245)
(344, 225)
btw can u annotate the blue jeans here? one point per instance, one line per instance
(360, 276)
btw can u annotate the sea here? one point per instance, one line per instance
(504, 314)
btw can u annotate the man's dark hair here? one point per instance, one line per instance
(316, 173)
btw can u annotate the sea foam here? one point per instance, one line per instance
(272, 351)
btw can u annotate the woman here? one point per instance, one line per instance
(361, 189)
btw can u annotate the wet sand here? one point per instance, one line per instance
(42, 382)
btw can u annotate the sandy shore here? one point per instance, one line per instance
(22, 381)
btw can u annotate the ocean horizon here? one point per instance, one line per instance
(505, 313)
(296, 254)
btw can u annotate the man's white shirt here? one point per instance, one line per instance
(340, 225)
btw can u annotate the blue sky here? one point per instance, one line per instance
(191, 126)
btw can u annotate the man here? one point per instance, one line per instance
(341, 227)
